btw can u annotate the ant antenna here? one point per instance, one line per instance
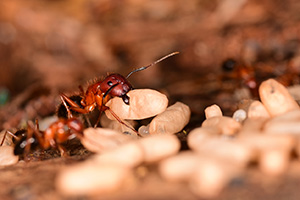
(155, 62)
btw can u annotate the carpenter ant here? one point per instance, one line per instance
(98, 94)
(243, 73)
(57, 133)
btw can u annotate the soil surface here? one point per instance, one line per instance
(49, 47)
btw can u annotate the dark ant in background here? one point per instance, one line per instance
(54, 136)
(98, 94)
(244, 74)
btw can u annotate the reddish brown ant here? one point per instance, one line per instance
(98, 94)
(54, 136)
(243, 73)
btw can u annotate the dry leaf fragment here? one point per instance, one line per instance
(7, 156)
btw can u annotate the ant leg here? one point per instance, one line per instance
(37, 126)
(63, 97)
(4, 136)
(120, 120)
(63, 151)
(87, 120)
(74, 107)
(33, 129)
(30, 131)
(99, 117)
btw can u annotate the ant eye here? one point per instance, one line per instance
(109, 83)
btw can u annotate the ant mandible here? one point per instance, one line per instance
(98, 94)
(57, 133)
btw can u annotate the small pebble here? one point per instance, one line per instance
(240, 115)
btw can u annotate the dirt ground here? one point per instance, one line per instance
(49, 47)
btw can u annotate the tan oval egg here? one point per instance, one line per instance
(287, 123)
(262, 142)
(211, 176)
(7, 156)
(157, 147)
(227, 150)
(276, 98)
(274, 162)
(199, 135)
(179, 167)
(117, 126)
(226, 125)
(213, 111)
(128, 155)
(252, 126)
(144, 103)
(144, 131)
(89, 179)
(103, 139)
(172, 120)
(257, 110)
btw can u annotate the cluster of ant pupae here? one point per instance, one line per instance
(68, 126)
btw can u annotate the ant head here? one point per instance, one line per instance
(229, 64)
(75, 125)
(117, 86)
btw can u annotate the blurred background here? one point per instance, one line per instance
(227, 47)
(52, 46)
